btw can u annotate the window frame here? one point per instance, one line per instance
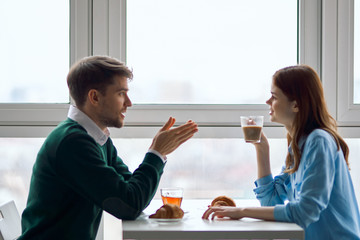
(93, 31)
(338, 64)
(348, 113)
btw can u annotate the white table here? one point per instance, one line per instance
(193, 227)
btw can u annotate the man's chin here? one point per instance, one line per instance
(119, 125)
(116, 124)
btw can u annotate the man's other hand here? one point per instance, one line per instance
(167, 140)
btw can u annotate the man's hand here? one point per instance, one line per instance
(167, 140)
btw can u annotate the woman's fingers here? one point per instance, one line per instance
(221, 212)
(217, 214)
(209, 211)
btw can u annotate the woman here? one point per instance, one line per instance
(315, 179)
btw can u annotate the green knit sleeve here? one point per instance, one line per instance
(83, 166)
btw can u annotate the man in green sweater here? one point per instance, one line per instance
(78, 174)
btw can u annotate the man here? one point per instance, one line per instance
(77, 173)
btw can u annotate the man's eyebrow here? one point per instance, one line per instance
(122, 89)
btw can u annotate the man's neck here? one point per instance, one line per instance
(91, 113)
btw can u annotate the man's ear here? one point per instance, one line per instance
(295, 107)
(93, 96)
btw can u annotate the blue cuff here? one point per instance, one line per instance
(280, 213)
(264, 180)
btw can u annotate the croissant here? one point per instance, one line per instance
(168, 211)
(223, 201)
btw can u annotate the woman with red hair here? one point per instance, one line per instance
(314, 189)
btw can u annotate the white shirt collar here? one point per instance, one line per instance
(90, 126)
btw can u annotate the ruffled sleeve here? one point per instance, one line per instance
(271, 191)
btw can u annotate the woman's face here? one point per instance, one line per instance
(282, 110)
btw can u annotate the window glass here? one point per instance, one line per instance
(357, 52)
(203, 167)
(34, 46)
(203, 52)
(207, 167)
(16, 168)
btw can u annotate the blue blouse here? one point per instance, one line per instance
(319, 196)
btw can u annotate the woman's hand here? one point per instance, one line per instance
(263, 144)
(263, 156)
(221, 212)
(265, 213)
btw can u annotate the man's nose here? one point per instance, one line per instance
(128, 101)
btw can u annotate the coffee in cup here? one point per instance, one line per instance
(252, 127)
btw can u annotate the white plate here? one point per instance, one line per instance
(166, 220)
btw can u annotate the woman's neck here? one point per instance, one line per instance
(290, 130)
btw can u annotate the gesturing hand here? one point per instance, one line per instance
(167, 140)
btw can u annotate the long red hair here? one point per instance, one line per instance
(302, 84)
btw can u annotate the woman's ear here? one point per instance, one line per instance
(295, 107)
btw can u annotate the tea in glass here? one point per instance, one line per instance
(172, 195)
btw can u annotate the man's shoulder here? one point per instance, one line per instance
(69, 125)
(67, 128)
(67, 135)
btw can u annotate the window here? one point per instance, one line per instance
(356, 51)
(204, 105)
(217, 122)
(35, 51)
(203, 167)
(16, 168)
(203, 52)
(322, 37)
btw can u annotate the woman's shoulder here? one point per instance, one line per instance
(320, 135)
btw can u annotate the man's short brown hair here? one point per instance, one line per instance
(95, 72)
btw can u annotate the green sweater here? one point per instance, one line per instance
(74, 179)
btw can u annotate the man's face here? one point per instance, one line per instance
(113, 105)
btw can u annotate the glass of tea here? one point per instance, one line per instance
(172, 195)
(252, 126)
